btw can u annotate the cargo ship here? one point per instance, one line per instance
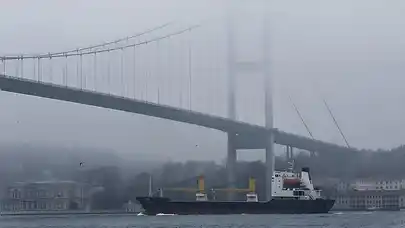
(292, 193)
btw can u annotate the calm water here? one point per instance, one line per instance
(349, 220)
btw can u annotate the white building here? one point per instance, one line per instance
(45, 196)
(390, 184)
(373, 190)
(364, 185)
(370, 185)
(363, 200)
(132, 207)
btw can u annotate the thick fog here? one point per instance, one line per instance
(351, 53)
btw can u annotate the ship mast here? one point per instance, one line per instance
(291, 167)
(150, 185)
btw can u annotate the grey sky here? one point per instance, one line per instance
(349, 52)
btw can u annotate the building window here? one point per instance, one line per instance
(42, 193)
(42, 205)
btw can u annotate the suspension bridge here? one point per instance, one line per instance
(161, 73)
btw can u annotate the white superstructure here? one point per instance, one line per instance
(287, 184)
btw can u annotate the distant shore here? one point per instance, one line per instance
(23, 213)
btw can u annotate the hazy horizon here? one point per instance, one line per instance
(351, 53)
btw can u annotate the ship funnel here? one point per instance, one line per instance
(306, 178)
(306, 170)
(201, 183)
(252, 185)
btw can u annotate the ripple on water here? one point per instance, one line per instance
(331, 220)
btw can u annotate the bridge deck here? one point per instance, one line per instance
(249, 136)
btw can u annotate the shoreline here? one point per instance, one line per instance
(36, 213)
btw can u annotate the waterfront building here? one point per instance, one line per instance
(45, 196)
(369, 199)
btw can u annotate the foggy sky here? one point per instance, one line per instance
(352, 53)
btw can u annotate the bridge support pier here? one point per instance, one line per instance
(231, 164)
(269, 165)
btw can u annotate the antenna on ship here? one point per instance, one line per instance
(291, 163)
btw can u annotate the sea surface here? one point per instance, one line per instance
(336, 219)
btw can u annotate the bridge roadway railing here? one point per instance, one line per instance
(111, 101)
(248, 135)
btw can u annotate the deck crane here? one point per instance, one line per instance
(251, 195)
(201, 193)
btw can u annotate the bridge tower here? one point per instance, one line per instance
(268, 100)
(262, 67)
(231, 153)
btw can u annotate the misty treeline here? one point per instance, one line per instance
(125, 178)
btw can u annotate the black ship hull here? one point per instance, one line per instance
(157, 205)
